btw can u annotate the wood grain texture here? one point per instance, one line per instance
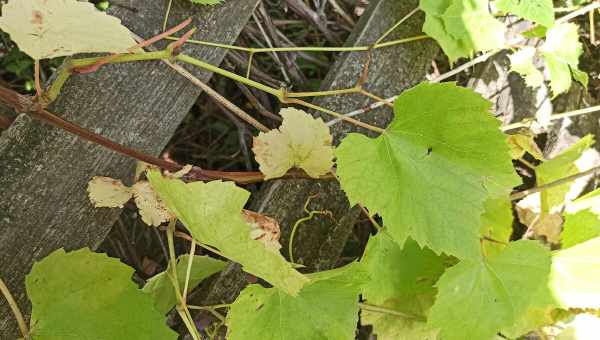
(44, 171)
(318, 243)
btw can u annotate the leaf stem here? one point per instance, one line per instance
(189, 269)
(400, 22)
(384, 310)
(15, 309)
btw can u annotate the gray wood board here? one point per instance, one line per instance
(44, 171)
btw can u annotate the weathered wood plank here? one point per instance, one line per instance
(319, 242)
(44, 171)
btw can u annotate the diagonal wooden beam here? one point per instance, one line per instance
(44, 171)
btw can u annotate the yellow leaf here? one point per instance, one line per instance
(53, 28)
(152, 210)
(106, 192)
(302, 141)
(520, 144)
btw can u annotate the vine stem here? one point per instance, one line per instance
(400, 22)
(527, 122)
(15, 309)
(254, 50)
(182, 310)
(384, 310)
(521, 194)
(189, 269)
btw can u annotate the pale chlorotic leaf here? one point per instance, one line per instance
(462, 27)
(496, 225)
(152, 210)
(48, 29)
(561, 53)
(82, 295)
(559, 167)
(442, 150)
(106, 192)
(161, 288)
(522, 63)
(498, 289)
(325, 309)
(576, 274)
(538, 11)
(401, 280)
(301, 141)
(212, 213)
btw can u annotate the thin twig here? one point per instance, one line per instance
(521, 194)
(15, 309)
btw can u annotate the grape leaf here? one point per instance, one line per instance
(152, 210)
(402, 280)
(47, 29)
(539, 11)
(82, 294)
(462, 27)
(430, 173)
(522, 63)
(561, 53)
(498, 289)
(582, 219)
(325, 309)
(558, 167)
(524, 143)
(212, 213)
(496, 224)
(161, 288)
(575, 275)
(579, 227)
(302, 141)
(106, 192)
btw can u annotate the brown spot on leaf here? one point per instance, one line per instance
(37, 18)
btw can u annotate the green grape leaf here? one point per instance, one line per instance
(580, 227)
(161, 289)
(206, 2)
(48, 29)
(499, 289)
(430, 173)
(325, 309)
(559, 167)
(401, 280)
(496, 224)
(561, 53)
(212, 213)
(302, 141)
(462, 27)
(575, 275)
(82, 295)
(538, 11)
(522, 63)
(582, 219)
